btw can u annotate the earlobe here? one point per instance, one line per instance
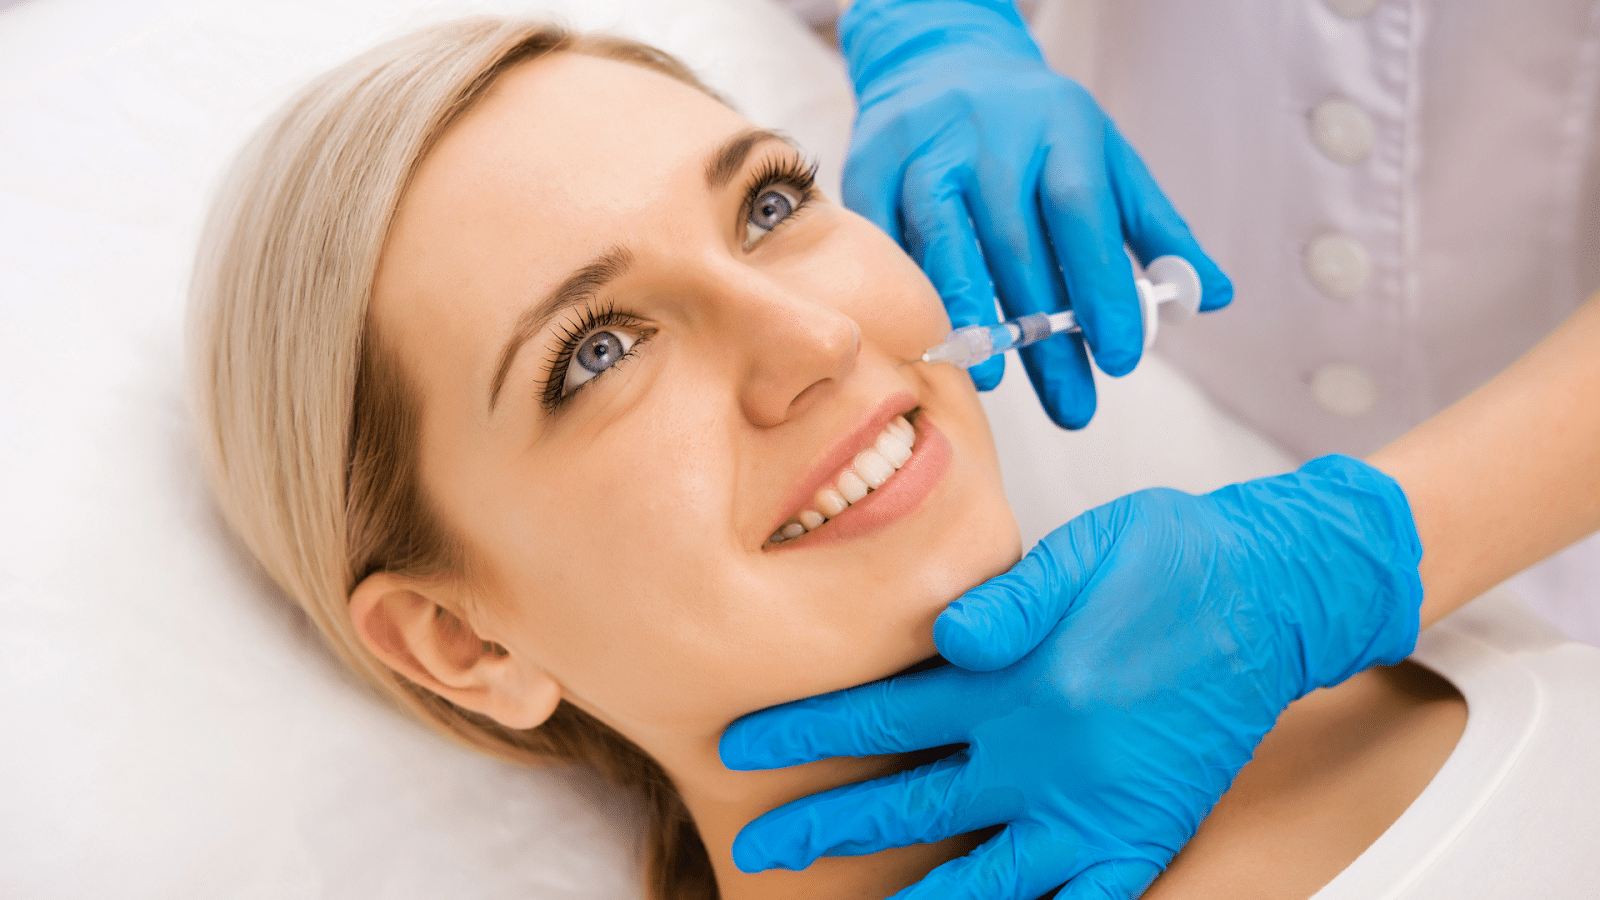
(416, 629)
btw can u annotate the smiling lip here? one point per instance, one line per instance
(899, 496)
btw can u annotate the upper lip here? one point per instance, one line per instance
(827, 465)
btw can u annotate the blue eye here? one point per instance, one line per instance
(768, 210)
(596, 352)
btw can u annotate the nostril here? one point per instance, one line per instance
(804, 395)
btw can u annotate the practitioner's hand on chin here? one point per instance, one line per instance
(1107, 688)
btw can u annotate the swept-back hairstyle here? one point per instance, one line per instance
(309, 428)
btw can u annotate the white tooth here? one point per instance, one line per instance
(872, 468)
(831, 502)
(811, 519)
(777, 537)
(851, 487)
(893, 448)
(792, 531)
(904, 429)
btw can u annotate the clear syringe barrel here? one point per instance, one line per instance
(1169, 292)
(968, 346)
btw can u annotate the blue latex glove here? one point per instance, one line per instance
(1110, 685)
(960, 117)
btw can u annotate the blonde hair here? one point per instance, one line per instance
(309, 429)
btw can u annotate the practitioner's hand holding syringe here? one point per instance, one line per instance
(1004, 179)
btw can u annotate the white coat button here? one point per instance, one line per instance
(1344, 389)
(1342, 131)
(1352, 9)
(1337, 265)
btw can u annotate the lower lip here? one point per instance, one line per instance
(899, 497)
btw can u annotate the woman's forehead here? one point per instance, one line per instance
(567, 156)
(572, 125)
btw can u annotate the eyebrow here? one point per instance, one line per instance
(610, 265)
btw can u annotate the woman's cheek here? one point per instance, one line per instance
(893, 301)
(908, 319)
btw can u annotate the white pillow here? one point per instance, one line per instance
(173, 727)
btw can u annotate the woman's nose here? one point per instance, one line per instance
(793, 346)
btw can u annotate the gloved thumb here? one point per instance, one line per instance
(1002, 620)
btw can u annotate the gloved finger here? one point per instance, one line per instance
(920, 806)
(1006, 215)
(1002, 620)
(871, 187)
(1005, 867)
(1152, 225)
(1085, 232)
(896, 715)
(1117, 879)
(940, 237)
(1061, 375)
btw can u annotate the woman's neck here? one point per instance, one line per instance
(1342, 764)
(723, 801)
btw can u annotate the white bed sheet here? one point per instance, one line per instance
(173, 728)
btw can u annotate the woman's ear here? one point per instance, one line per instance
(416, 628)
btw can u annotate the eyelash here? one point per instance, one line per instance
(794, 172)
(571, 338)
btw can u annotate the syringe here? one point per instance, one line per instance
(1169, 291)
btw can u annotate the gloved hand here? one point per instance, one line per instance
(1109, 686)
(960, 117)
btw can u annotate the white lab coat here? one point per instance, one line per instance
(1442, 219)
(1406, 194)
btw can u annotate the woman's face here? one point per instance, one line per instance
(641, 345)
